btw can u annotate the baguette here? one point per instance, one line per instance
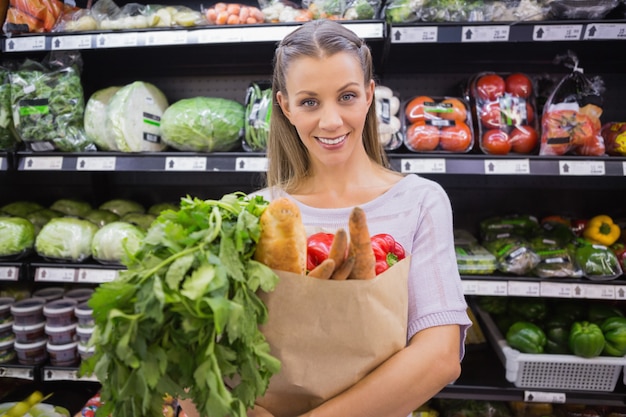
(282, 244)
(339, 248)
(343, 272)
(361, 246)
(324, 270)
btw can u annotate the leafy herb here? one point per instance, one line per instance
(183, 318)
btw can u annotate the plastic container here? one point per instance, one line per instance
(84, 315)
(85, 352)
(79, 294)
(84, 334)
(29, 333)
(60, 335)
(5, 308)
(474, 259)
(50, 293)
(63, 355)
(31, 353)
(6, 331)
(7, 353)
(60, 312)
(28, 311)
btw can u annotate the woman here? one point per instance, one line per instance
(324, 153)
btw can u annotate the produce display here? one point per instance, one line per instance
(258, 110)
(388, 113)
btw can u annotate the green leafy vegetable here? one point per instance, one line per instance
(257, 116)
(114, 240)
(185, 314)
(17, 236)
(8, 138)
(65, 238)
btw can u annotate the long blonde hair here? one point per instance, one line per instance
(288, 159)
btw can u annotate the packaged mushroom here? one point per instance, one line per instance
(389, 125)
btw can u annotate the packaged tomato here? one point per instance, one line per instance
(505, 112)
(437, 124)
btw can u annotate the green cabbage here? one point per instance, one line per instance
(71, 207)
(96, 116)
(21, 208)
(66, 238)
(101, 217)
(122, 207)
(111, 243)
(141, 220)
(157, 208)
(203, 124)
(40, 217)
(17, 236)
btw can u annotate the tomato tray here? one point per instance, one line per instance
(550, 371)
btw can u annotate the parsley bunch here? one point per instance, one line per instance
(183, 318)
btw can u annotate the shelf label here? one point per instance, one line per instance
(581, 168)
(16, 372)
(421, 34)
(97, 163)
(71, 42)
(556, 289)
(44, 163)
(45, 274)
(476, 287)
(624, 168)
(219, 35)
(595, 292)
(251, 164)
(185, 163)
(424, 165)
(366, 30)
(620, 292)
(175, 37)
(65, 375)
(557, 32)
(117, 40)
(29, 43)
(265, 34)
(507, 166)
(524, 288)
(605, 31)
(3, 163)
(498, 33)
(544, 397)
(9, 273)
(96, 276)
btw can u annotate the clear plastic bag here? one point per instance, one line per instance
(258, 111)
(581, 9)
(388, 114)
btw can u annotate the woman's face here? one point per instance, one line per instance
(327, 102)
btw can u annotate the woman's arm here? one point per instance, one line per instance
(405, 381)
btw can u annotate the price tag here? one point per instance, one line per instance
(476, 287)
(624, 168)
(366, 30)
(265, 34)
(544, 397)
(96, 163)
(43, 163)
(96, 276)
(556, 289)
(581, 168)
(425, 165)
(219, 35)
(3, 163)
(421, 34)
(605, 31)
(246, 164)
(60, 375)
(594, 292)
(498, 33)
(175, 37)
(117, 40)
(557, 32)
(507, 166)
(470, 287)
(28, 43)
(524, 288)
(185, 163)
(15, 372)
(9, 273)
(45, 274)
(71, 42)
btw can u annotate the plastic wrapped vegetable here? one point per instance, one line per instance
(21, 208)
(8, 138)
(513, 254)
(100, 217)
(203, 124)
(40, 217)
(141, 220)
(598, 262)
(389, 123)
(581, 9)
(17, 236)
(65, 239)
(95, 119)
(121, 206)
(114, 241)
(71, 207)
(258, 111)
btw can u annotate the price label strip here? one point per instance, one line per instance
(247, 164)
(45, 274)
(43, 163)
(507, 166)
(117, 40)
(557, 32)
(30, 43)
(586, 168)
(421, 34)
(65, 375)
(556, 289)
(608, 31)
(424, 165)
(498, 33)
(595, 292)
(71, 42)
(544, 397)
(478, 287)
(9, 273)
(185, 163)
(176, 37)
(98, 163)
(524, 288)
(96, 276)
(17, 372)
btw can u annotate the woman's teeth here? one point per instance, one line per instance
(335, 141)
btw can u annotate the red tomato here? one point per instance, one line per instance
(523, 139)
(422, 137)
(495, 142)
(490, 87)
(457, 110)
(490, 115)
(456, 138)
(530, 113)
(519, 85)
(414, 109)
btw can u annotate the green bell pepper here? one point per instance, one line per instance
(526, 337)
(614, 330)
(528, 309)
(598, 312)
(557, 334)
(586, 339)
(493, 304)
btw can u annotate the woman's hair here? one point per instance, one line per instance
(288, 158)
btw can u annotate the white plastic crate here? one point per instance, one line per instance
(549, 371)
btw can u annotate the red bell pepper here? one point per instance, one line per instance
(387, 251)
(318, 248)
(619, 249)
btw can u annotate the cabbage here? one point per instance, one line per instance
(40, 217)
(101, 217)
(122, 207)
(17, 236)
(21, 208)
(66, 238)
(203, 124)
(157, 208)
(96, 116)
(141, 220)
(111, 243)
(71, 207)
(134, 117)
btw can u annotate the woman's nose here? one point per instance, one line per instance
(330, 118)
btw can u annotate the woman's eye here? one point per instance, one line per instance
(348, 96)
(308, 103)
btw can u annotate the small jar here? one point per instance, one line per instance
(60, 312)
(29, 333)
(84, 314)
(79, 294)
(84, 334)
(85, 352)
(5, 309)
(7, 353)
(31, 353)
(61, 335)
(49, 293)
(28, 311)
(63, 355)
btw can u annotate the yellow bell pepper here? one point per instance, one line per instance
(602, 230)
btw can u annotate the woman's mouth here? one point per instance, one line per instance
(333, 141)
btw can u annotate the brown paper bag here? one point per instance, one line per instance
(330, 334)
